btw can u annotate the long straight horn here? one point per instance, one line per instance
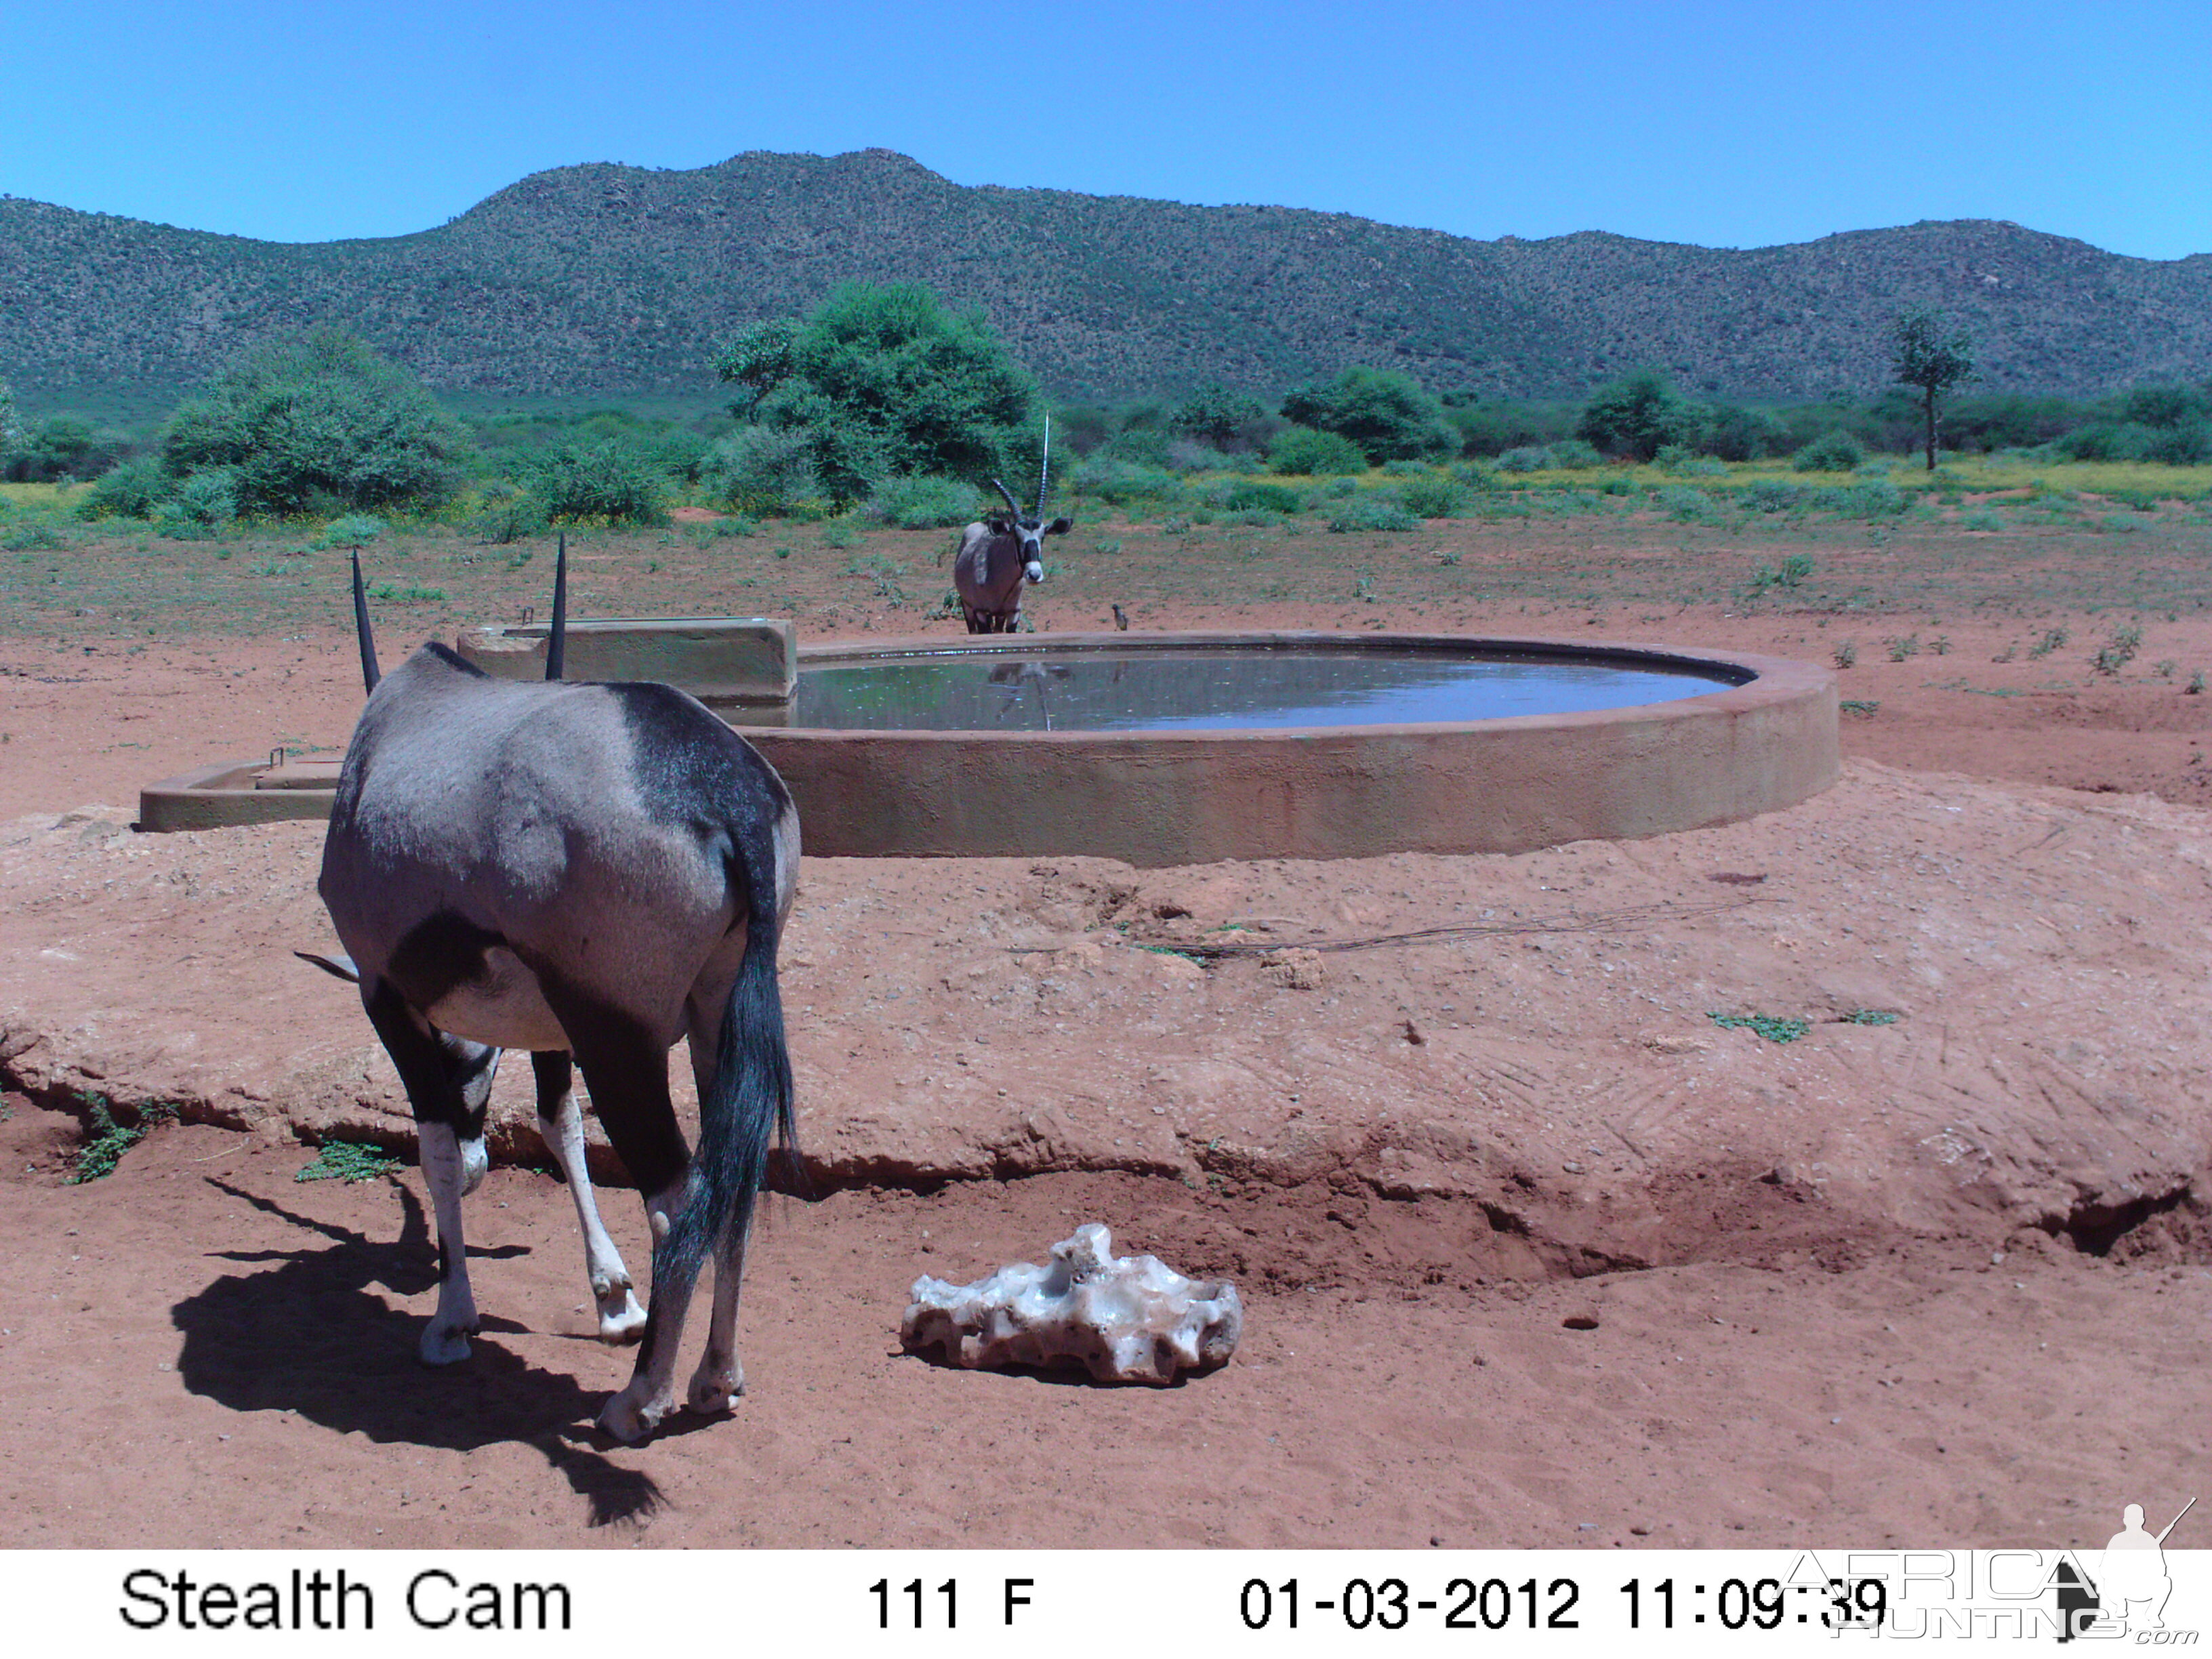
(1013, 505)
(369, 674)
(557, 637)
(1044, 468)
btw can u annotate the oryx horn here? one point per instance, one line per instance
(557, 637)
(368, 669)
(1013, 505)
(1044, 468)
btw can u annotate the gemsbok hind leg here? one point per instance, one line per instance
(720, 1379)
(561, 1121)
(448, 1082)
(627, 1071)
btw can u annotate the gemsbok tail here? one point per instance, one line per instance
(748, 1101)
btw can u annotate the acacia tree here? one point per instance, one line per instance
(1927, 354)
(888, 382)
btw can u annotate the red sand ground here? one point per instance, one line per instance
(1941, 1280)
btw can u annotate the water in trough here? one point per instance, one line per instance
(1196, 688)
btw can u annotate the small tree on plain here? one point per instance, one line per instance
(1638, 414)
(759, 359)
(1927, 353)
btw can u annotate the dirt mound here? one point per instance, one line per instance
(1945, 1010)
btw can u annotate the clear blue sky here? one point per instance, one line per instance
(1726, 124)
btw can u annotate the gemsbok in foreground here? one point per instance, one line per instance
(580, 870)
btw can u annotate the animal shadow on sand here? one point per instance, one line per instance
(310, 1335)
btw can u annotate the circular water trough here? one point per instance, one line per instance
(1743, 735)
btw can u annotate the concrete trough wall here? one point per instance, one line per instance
(1151, 799)
(1504, 786)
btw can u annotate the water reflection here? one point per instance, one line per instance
(1217, 689)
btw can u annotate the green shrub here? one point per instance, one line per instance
(1475, 476)
(762, 470)
(1734, 432)
(349, 1161)
(1387, 415)
(507, 514)
(1525, 458)
(1309, 453)
(354, 529)
(1372, 511)
(1119, 483)
(1872, 498)
(2186, 444)
(1432, 497)
(204, 503)
(1189, 455)
(2165, 405)
(1574, 452)
(316, 422)
(135, 489)
(59, 448)
(1145, 445)
(608, 482)
(1253, 496)
(34, 536)
(1774, 496)
(1215, 415)
(1832, 452)
(925, 503)
(1684, 503)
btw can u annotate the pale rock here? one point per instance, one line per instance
(1126, 1319)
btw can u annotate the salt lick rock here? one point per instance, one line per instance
(1127, 1319)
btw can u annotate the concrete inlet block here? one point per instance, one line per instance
(727, 662)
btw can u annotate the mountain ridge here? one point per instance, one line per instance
(601, 278)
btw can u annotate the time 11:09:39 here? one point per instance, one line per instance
(1765, 1603)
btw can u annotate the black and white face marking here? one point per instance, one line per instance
(1030, 533)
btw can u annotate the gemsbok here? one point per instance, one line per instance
(578, 870)
(999, 557)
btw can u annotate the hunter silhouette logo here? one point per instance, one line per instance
(2130, 1587)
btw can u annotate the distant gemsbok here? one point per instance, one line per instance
(999, 557)
(580, 870)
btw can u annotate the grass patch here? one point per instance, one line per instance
(109, 1140)
(349, 1161)
(1773, 1027)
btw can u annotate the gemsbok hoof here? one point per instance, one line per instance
(621, 1322)
(715, 1394)
(622, 1418)
(444, 1344)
